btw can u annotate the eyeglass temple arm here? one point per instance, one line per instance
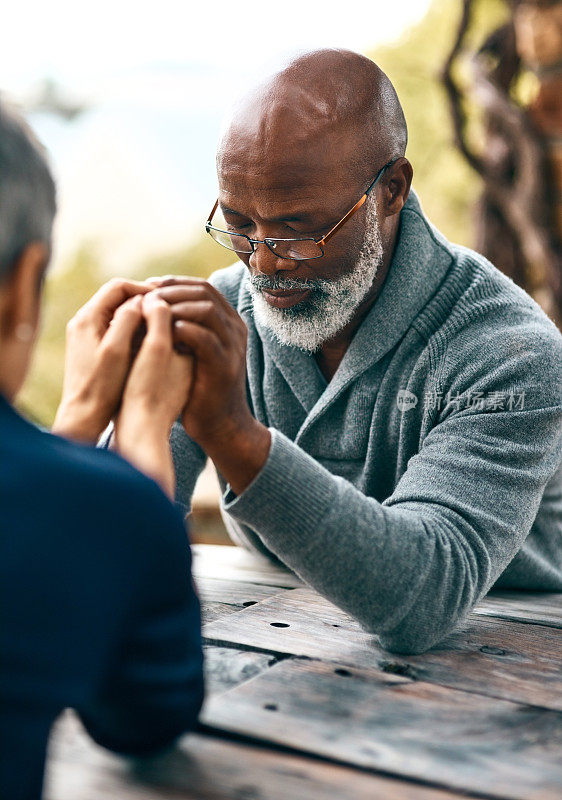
(349, 214)
(210, 217)
(357, 205)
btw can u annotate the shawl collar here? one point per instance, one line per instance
(420, 263)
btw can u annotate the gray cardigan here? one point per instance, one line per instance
(429, 468)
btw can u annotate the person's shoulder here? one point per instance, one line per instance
(491, 295)
(475, 298)
(497, 333)
(230, 282)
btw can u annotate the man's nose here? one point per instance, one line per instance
(265, 261)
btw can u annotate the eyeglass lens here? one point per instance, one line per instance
(294, 249)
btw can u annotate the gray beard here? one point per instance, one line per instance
(331, 303)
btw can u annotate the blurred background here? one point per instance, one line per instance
(129, 102)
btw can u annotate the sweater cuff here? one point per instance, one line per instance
(292, 492)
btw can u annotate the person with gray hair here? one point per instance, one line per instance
(98, 611)
(27, 192)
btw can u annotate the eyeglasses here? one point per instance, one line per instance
(291, 249)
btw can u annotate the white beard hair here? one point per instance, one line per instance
(311, 323)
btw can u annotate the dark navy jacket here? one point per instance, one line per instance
(97, 607)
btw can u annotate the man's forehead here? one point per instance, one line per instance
(280, 189)
(275, 202)
(318, 162)
(291, 129)
(262, 171)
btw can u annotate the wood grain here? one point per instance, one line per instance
(226, 667)
(496, 657)
(479, 713)
(219, 598)
(542, 608)
(207, 768)
(210, 561)
(210, 611)
(237, 593)
(385, 722)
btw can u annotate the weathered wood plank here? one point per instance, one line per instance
(219, 598)
(420, 730)
(235, 563)
(490, 656)
(236, 593)
(501, 658)
(218, 561)
(542, 608)
(226, 667)
(210, 611)
(208, 768)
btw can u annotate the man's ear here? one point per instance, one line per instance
(398, 186)
(22, 291)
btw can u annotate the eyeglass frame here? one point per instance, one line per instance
(320, 242)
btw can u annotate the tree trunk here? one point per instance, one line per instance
(519, 218)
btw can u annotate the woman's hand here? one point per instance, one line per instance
(156, 391)
(217, 415)
(99, 348)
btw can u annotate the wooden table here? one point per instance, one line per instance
(304, 704)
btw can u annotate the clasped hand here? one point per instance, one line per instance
(121, 364)
(191, 362)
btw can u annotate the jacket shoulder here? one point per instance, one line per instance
(498, 336)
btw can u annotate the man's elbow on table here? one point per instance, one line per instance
(418, 632)
(413, 638)
(450, 590)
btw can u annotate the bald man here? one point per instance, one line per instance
(382, 406)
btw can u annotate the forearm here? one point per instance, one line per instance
(147, 448)
(345, 545)
(78, 422)
(408, 571)
(239, 452)
(189, 461)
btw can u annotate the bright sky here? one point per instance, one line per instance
(136, 173)
(81, 43)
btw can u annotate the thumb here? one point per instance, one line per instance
(124, 323)
(158, 316)
(157, 343)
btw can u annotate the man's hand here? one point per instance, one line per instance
(99, 345)
(155, 393)
(217, 415)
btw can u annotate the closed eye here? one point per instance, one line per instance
(288, 233)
